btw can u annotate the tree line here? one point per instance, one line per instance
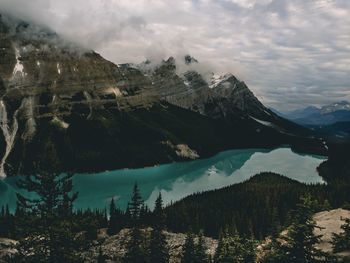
(240, 216)
(49, 230)
(256, 208)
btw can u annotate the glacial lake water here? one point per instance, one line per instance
(177, 180)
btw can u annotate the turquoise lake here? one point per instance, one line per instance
(177, 180)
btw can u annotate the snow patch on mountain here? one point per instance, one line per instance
(218, 79)
(265, 123)
(337, 106)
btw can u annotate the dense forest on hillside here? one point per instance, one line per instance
(336, 170)
(134, 139)
(257, 207)
(262, 205)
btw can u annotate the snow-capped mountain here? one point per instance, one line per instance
(70, 107)
(326, 115)
(336, 106)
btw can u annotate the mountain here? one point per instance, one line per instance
(322, 119)
(300, 113)
(326, 115)
(222, 97)
(72, 110)
(337, 106)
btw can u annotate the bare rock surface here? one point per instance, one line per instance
(329, 223)
(114, 247)
(6, 248)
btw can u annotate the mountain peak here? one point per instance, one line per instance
(190, 60)
(336, 106)
(218, 79)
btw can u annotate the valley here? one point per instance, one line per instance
(173, 158)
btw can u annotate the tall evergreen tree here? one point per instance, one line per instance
(127, 216)
(136, 249)
(135, 204)
(200, 250)
(188, 250)
(300, 241)
(49, 232)
(101, 258)
(50, 228)
(341, 242)
(112, 207)
(158, 250)
(235, 249)
(7, 223)
(299, 244)
(113, 219)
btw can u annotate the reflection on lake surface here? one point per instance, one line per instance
(178, 180)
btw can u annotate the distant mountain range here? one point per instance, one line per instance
(73, 108)
(332, 120)
(326, 115)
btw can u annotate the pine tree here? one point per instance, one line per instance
(113, 219)
(275, 227)
(145, 215)
(112, 207)
(135, 205)
(200, 251)
(341, 242)
(136, 252)
(326, 205)
(299, 244)
(49, 230)
(158, 250)
(128, 216)
(235, 249)
(101, 258)
(7, 223)
(188, 250)
(301, 240)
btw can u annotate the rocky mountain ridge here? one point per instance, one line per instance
(336, 106)
(88, 114)
(325, 115)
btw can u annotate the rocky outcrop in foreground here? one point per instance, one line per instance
(329, 223)
(114, 247)
(6, 248)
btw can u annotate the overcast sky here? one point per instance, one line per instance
(291, 53)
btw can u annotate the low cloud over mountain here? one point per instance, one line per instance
(291, 53)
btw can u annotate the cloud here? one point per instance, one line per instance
(290, 53)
